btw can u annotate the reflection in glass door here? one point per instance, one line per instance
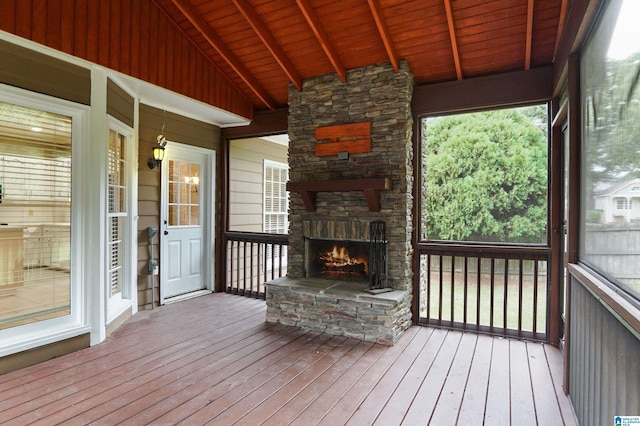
(35, 215)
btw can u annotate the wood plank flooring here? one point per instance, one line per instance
(213, 360)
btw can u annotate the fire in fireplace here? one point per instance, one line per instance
(351, 260)
(335, 259)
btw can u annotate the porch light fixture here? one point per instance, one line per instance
(158, 156)
(158, 151)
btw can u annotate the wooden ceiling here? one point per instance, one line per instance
(262, 46)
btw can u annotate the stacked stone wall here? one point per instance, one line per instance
(375, 94)
(381, 96)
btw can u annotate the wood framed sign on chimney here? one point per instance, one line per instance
(352, 138)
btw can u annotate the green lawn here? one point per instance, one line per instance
(513, 298)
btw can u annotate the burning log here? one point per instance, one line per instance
(338, 260)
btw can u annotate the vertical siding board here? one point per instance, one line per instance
(177, 54)
(67, 22)
(125, 31)
(144, 41)
(8, 16)
(134, 58)
(162, 51)
(116, 34)
(207, 80)
(184, 64)
(39, 21)
(633, 388)
(23, 18)
(92, 34)
(589, 379)
(54, 24)
(169, 75)
(104, 28)
(80, 29)
(197, 66)
(191, 91)
(610, 389)
(604, 366)
(153, 44)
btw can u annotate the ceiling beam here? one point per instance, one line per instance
(216, 42)
(454, 42)
(561, 22)
(374, 5)
(323, 38)
(527, 52)
(269, 41)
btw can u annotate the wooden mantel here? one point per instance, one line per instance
(370, 186)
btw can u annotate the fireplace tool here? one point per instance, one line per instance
(378, 257)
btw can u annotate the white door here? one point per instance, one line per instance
(187, 221)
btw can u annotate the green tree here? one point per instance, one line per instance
(612, 122)
(486, 178)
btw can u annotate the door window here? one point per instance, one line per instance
(184, 193)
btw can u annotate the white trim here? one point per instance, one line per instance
(148, 93)
(95, 204)
(118, 304)
(17, 339)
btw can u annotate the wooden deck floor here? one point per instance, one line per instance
(214, 360)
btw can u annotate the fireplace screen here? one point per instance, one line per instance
(350, 260)
(337, 259)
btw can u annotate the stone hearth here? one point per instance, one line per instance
(382, 97)
(340, 308)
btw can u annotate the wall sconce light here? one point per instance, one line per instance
(158, 156)
(158, 152)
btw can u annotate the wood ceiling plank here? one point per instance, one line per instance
(374, 5)
(323, 38)
(269, 41)
(218, 44)
(454, 42)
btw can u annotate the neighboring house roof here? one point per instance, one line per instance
(612, 189)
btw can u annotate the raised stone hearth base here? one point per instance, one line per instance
(339, 308)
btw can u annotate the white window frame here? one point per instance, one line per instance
(118, 304)
(282, 166)
(269, 264)
(21, 338)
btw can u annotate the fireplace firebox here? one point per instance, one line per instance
(336, 259)
(350, 260)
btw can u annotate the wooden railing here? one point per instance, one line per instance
(495, 290)
(253, 259)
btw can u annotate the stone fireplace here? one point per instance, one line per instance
(338, 188)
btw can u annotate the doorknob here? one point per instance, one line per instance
(166, 232)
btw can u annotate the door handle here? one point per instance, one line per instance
(166, 232)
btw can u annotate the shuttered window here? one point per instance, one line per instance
(35, 215)
(117, 202)
(276, 198)
(276, 206)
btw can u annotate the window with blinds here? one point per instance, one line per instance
(35, 215)
(276, 206)
(117, 210)
(276, 198)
